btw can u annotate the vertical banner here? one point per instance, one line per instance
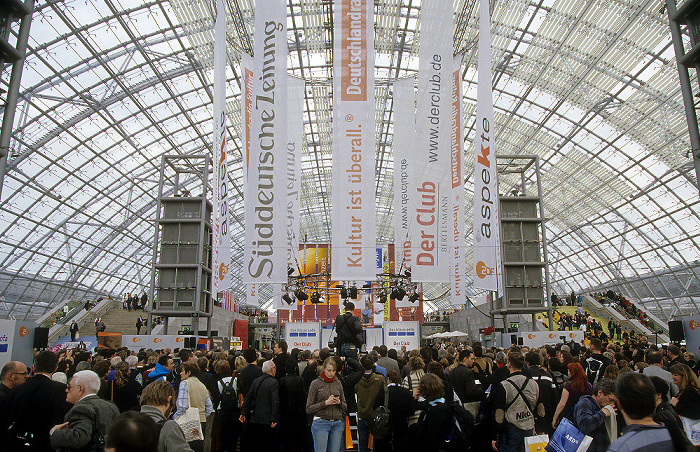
(430, 229)
(354, 230)
(486, 260)
(266, 160)
(457, 266)
(404, 156)
(295, 138)
(251, 294)
(221, 254)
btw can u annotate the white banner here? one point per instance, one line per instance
(265, 195)
(457, 266)
(404, 155)
(353, 235)
(303, 335)
(430, 229)
(221, 240)
(251, 294)
(402, 333)
(486, 259)
(295, 140)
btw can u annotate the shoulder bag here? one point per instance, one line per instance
(189, 421)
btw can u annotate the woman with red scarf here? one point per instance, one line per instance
(326, 402)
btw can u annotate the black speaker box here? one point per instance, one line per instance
(513, 339)
(191, 342)
(41, 338)
(675, 330)
(520, 340)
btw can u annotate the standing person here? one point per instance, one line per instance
(280, 359)
(228, 408)
(326, 402)
(591, 411)
(574, 388)
(366, 390)
(124, 391)
(515, 406)
(293, 425)
(73, 330)
(12, 375)
(687, 404)
(245, 379)
(39, 395)
(636, 398)
(193, 393)
(349, 331)
(385, 361)
(158, 401)
(98, 323)
(416, 365)
(89, 413)
(264, 396)
(139, 324)
(548, 392)
(401, 405)
(655, 369)
(595, 364)
(666, 414)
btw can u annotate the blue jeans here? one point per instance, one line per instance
(328, 435)
(512, 439)
(362, 435)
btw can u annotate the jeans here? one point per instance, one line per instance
(362, 435)
(512, 439)
(328, 435)
(348, 350)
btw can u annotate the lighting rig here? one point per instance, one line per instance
(316, 288)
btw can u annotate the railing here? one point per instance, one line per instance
(81, 317)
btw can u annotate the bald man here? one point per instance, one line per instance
(13, 374)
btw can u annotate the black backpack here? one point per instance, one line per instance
(594, 369)
(483, 375)
(459, 437)
(229, 399)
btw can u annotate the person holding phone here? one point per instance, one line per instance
(326, 402)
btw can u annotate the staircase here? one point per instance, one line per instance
(116, 320)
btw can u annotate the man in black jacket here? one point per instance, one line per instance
(37, 405)
(548, 392)
(595, 364)
(264, 396)
(463, 380)
(349, 331)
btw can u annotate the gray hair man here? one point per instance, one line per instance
(88, 413)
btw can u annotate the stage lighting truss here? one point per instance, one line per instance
(317, 289)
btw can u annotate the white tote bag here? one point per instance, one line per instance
(189, 421)
(692, 429)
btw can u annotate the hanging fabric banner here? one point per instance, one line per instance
(221, 240)
(457, 266)
(295, 139)
(354, 230)
(266, 160)
(404, 159)
(486, 261)
(251, 294)
(430, 229)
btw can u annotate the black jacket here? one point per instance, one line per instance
(401, 407)
(262, 401)
(349, 329)
(248, 374)
(463, 381)
(36, 406)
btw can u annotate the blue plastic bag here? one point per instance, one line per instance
(567, 438)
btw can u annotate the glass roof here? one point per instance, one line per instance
(109, 86)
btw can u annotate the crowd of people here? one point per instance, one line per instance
(133, 301)
(624, 396)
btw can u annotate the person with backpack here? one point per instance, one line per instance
(441, 426)
(548, 392)
(576, 387)
(595, 364)
(228, 408)
(516, 405)
(349, 332)
(293, 427)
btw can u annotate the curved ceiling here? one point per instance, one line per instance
(109, 86)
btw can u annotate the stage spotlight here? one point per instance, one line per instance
(290, 270)
(353, 292)
(287, 299)
(301, 295)
(315, 297)
(382, 298)
(407, 272)
(413, 298)
(398, 293)
(343, 292)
